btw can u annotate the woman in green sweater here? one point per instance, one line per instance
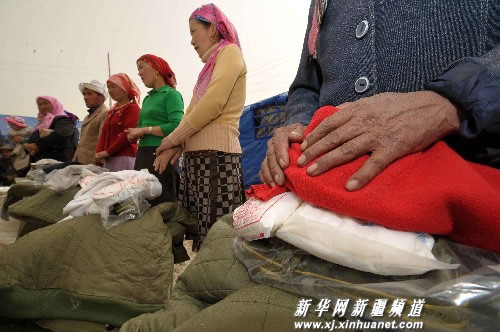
(211, 181)
(161, 113)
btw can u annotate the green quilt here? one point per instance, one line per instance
(41, 209)
(78, 271)
(216, 292)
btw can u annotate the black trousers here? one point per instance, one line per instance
(169, 179)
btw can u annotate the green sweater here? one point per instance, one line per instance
(163, 107)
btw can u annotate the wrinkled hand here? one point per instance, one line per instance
(165, 145)
(165, 157)
(134, 134)
(277, 159)
(388, 126)
(32, 148)
(100, 156)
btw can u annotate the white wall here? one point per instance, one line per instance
(49, 46)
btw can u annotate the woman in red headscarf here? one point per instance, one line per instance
(211, 181)
(114, 150)
(161, 113)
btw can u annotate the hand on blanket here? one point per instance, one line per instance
(388, 126)
(276, 160)
(165, 157)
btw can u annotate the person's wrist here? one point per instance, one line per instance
(452, 112)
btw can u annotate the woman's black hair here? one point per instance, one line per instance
(207, 25)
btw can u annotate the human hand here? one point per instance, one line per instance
(165, 145)
(277, 159)
(134, 134)
(18, 139)
(388, 125)
(165, 157)
(32, 148)
(100, 156)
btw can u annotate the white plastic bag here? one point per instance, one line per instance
(359, 245)
(257, 219)
(121, 201)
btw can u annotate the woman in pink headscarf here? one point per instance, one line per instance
(211, 180)
(114, 150)
(53, 137)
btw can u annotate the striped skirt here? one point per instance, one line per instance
(211, 186)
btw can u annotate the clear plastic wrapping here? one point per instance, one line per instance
(37, 175)
(127, 204)
(465, 299)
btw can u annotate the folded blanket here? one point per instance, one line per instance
(434, 191)
(63, 179)
(77, 270)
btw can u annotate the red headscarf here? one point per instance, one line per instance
(162, 67)
(127, 85)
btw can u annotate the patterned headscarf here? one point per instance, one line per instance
(211, 14)
(127, 85)
(162, 66)
(318, 13)
(57, 110)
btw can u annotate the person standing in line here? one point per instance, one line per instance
(94, 94)
(114, 151)
(161, 113)
(211, 181)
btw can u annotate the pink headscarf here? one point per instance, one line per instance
(211, 14)
(58, 110)
(127, 85)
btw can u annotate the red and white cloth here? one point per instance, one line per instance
(434, 191)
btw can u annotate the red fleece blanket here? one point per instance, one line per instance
(434, 191)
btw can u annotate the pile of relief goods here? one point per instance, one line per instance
(336, 238)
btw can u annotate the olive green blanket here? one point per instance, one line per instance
(79, 271)
(234, 285)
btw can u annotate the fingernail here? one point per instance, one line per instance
(352, 185)
(312, 168)
(282, 163)
(301, 160)
(303, 146)
(294, 133)
(277, 178)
